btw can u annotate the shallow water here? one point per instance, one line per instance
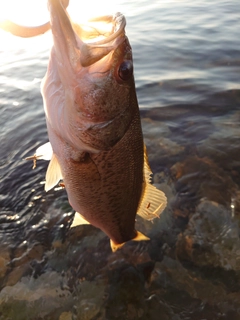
(187, 72)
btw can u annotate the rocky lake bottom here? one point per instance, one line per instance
(190, 269)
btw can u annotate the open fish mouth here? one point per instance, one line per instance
(84, 44)
(102, 30)
(91, 41)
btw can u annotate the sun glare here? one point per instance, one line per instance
(24, 12)
(82, 11)
(35, 12)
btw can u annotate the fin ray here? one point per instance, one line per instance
(53, 174)
(153, 201)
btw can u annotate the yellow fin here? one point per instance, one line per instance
(53, 174)
(140, 237)
(153, 201)
(147, 172)
(78, 220)
(115, 246)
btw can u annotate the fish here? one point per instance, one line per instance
(96, 144)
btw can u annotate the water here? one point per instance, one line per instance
(187, 71)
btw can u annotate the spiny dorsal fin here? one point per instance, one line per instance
(78, 220)
(153, 201)
(53, 174)
(147, 172)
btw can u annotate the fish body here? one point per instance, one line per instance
(92, 114)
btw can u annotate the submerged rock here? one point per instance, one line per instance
(223, 145)
(186, 271)
(47, 297)
(187, 294)
(211, 238)
(196, 179)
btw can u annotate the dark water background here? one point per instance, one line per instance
(187, 71)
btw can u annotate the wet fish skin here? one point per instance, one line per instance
(100, 146)
(94, 127)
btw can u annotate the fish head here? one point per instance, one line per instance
(89, 89)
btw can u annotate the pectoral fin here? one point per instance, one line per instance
(153, 201)
(44, 152)
(53, 174)
(78, 220)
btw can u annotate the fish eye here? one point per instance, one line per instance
(125, 70)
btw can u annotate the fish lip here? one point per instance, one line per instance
(69, 37)
(119, 22)
(23, 31)
(92, 52)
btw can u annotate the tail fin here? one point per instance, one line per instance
(139, 237)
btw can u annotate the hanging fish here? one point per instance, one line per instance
(96, 144)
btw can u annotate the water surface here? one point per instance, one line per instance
(187, 72)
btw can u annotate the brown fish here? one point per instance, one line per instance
(96, 142)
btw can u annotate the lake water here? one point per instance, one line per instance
(187, 72)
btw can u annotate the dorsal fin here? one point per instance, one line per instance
(153, 201)
(53, 174)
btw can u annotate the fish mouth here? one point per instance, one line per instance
(110, 28)
(84, 44)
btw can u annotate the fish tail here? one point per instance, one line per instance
(139, 237)
(116, 246)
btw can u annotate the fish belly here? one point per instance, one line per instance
(105, 188)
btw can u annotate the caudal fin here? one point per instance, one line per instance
(139, 237)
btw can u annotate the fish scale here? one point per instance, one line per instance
(111, 185)
(95, 137)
